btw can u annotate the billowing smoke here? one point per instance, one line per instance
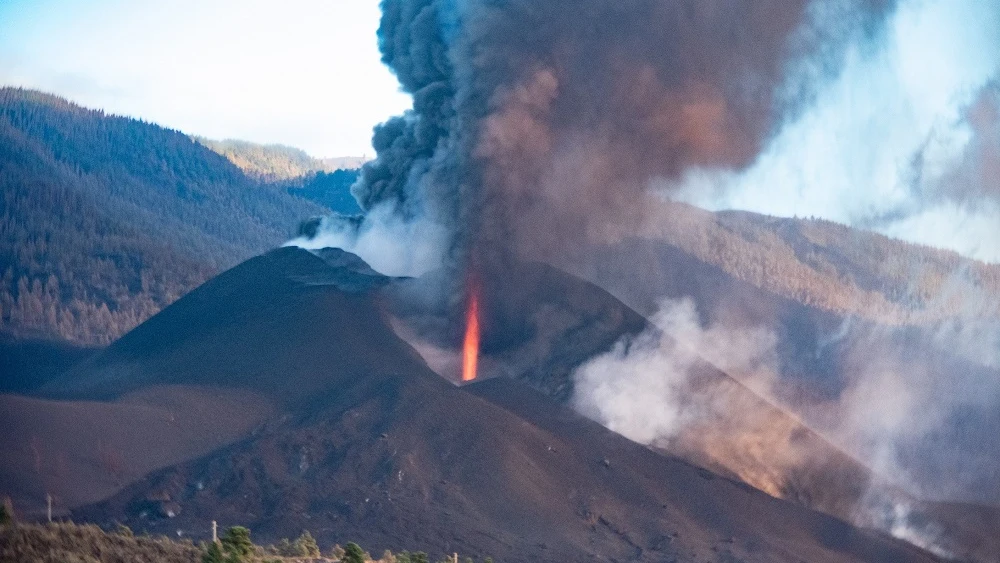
(536, 125)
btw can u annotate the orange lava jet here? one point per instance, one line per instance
(470, 348)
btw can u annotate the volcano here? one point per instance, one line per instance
(354, 437)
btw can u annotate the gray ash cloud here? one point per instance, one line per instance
(537, 124)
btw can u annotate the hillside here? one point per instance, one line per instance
(329, 189)
(326, 181)
(835, 268)
(109, 219)
(113, 218)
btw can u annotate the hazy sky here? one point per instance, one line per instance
(300, 72)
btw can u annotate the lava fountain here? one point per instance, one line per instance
(470, 348)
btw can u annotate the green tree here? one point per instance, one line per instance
(286, 549)
(353, 554)
(306, 545)
(237, 544)
(212, 554)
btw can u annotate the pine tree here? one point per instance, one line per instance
(353, 554)
(286, 549)
(213, 553)
(306, 545)
(237, 544)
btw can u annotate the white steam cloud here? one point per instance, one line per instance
(640, 388)
(385, 240)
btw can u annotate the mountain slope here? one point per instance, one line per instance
(178, 347)
(262, 297)
(109, 219)
(369, 444)
(833, 267)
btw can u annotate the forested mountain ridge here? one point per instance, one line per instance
(326, 181)
(266, 162)
(108, 219)
(836, 268)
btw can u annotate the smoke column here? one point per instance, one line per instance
(535, 126)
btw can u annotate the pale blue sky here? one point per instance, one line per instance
(300, 72)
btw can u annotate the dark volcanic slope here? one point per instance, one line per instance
(375, 447)
(284, 324)
(540, 324)
(404, 460)
(269, 334)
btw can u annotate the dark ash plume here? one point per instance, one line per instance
(537, 124)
